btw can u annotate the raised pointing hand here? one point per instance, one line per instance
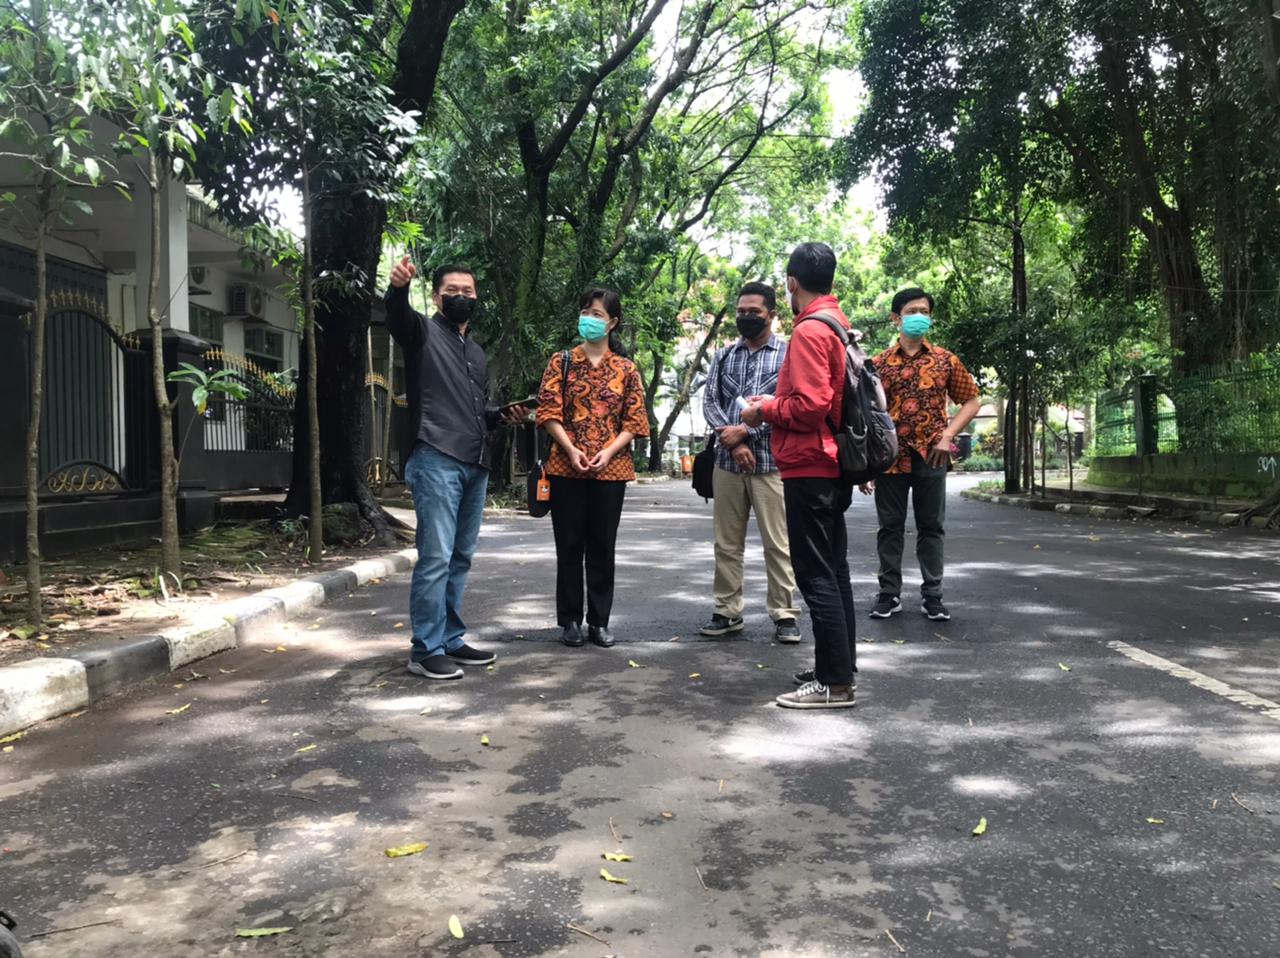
(402, 272)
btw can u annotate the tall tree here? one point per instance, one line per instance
(160, 89)
(369, 112)
(48, 86)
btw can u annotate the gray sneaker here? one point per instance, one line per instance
(786, 631)
(815, 695)
(722, 625)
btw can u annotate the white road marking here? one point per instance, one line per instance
(1201, 681)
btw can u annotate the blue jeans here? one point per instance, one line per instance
(448, 496)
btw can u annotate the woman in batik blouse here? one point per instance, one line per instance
(593, 410)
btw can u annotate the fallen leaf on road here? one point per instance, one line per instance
(1155, 821)
(1065, 668)
(263, 701)
(1037, 546)
(899, 641)
(759, 666)
(980, 828)
(261, 932)
(636, 665)
(7, 748)
(178, 711)
(674, 638)
(374, 612)
(604, 873)
(1095, 538)
(227, 671)
(668, 814)
(398, 625)
(400, 851)
(695, 675)
(306, 748)
(455, 926)
(12, 738)
(616, 857)
(195, 675)
(490, 669)
(484, 740)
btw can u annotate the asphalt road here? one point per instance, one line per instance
(1131, 805)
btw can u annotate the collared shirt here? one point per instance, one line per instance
(918, 389)
(446, 380)
(737, 371)
(602, 401)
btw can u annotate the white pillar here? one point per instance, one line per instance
(173, 255)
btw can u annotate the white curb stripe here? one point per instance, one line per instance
(1201, 681)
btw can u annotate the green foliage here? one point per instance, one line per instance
(219, 382)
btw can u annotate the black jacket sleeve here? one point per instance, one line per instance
(404, 322)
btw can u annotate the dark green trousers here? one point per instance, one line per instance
(927, 487)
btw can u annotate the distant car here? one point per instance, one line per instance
(8, 944)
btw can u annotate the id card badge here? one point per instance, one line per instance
(544, 489)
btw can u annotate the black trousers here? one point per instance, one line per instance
(584, 516)
(820, 558)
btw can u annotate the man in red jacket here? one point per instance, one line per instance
(810, 392)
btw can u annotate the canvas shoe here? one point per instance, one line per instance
(815, 695)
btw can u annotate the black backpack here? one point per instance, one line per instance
(867, 440)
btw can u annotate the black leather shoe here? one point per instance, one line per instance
(572, 636)
(601, 636)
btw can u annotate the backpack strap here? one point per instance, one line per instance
(831, 323)
(834, 325)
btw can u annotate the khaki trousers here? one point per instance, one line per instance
(736, 496)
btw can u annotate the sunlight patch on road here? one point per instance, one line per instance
(988, 785)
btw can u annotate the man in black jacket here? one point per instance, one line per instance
(447, 385)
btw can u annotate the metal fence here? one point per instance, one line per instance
(261, 422)
(1231, 408)
(1114, 430)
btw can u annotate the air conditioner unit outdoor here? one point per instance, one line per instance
(246, 301)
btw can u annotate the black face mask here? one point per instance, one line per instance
(750, 325)
(458, 309)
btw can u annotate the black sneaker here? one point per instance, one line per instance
(886, 605)
(786, 631)
(808, 675)
(601, 636)
(435, 667)
(721, 625)
(467, 655)
(572, 636)
(932, 607)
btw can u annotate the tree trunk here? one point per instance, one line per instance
(1017, 405)
(346, 232)
(35, 608)
(386, 416)
(170, 549)
(315, 506)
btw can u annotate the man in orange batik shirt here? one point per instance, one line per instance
(921, 380)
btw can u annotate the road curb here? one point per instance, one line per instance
(46, 687)
(1225, 519)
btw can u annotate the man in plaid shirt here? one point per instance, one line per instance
(746, 477)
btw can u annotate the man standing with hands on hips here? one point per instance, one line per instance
(920, 379)
(447, 386)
